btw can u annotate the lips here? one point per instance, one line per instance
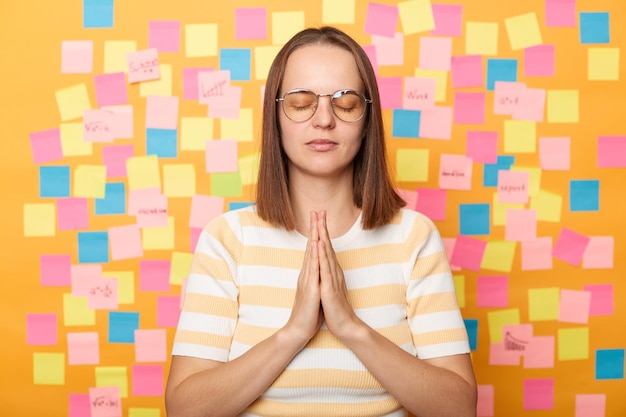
(321, 144)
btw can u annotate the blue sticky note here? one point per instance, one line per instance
(475, 219)
(500, 70)
(234, 205)
(471, 325)
(610, 364)
(122, 326)
(406, 123)
(114, 201)
(93, 247)
(490, 171)
(594, 27)
(584, 195)
(97, 13)
(237, 61)
(162, 142)
(54, 181)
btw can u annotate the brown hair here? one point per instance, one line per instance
(372, 187)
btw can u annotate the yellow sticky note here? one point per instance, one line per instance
(499, 256)
(534, 178)
(116, 55)
(144, 412)
(160, 87)
(603, 64)
(562, 106)
(159, 238)
(39, 219)
(194, 132)
(441, 82)
(523, 31)
(416, 16)
(226, 184)
(239, 129)
(72, 102)
(543, 304)
(548, 206)
(412, 165)
(180, 266)
(72, 140)
(459, 288)
(249, 168)
(90, 181)
(125, 285)
(338, 12)
(143, 172)
(499, 210)
(179, 180)
(263, 58)
(201, 40)
(285, 25)
(48, 368)
(520, 136)
(481, 38)
(499, 318)
(573, 344)
(76, 311)
(113, 376)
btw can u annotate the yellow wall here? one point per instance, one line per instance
(31, 35)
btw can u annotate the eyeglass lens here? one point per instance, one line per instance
(347, 105)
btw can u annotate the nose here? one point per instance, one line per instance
(324, 115)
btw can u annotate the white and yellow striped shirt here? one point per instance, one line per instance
(241, 289)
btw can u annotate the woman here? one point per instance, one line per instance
(325, 298)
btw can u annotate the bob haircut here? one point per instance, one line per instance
(373, 190)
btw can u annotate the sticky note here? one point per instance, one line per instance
(162, 112)
(83, 348)
(150, 345)
(467, 71)
(448, 19)
(168, 310)
(105, 401)
(391, 94)
(227, 106)
(72, 101)
(162, 142)
(201, 40)
(98, 14)
(468, 252)
(474, 219)
(99, 126)
(499, 210)
(180, 266)
(159, 238)
(237, 61)
(41, 329)
(500, 356)
(573, 344)
(513, 186)
(150, 207)
(83, 276)
(249, 166)
(584, 195)
(112, 378)
(406, 123)
(179, 180)
(46, 146)
(471, 325)
(110, 89)
(441, 78)
(499, 318)
(485, 401)
(432, 202)
(455, 172)
(482, 146)
(574, 306)
(389, 50)
(72, 213)
(144, 412)
(609, 364)
(76, 57)
(469, 108)
(436, 123)
(159, 87)
(555, 153)
(594, 27)
(195, 131)
(611, 151)
(543, 304)
(532, 105)
(521, 225)
(590, 405)
(122, 326)
(115, 55)
(499, 69)
(409, 197)
(435, 53)
(562, 106)
(334, 12)
(481, 38)
(48, 368)
(381, 19)
(143, 172)
(125, 285)
(239, 129)
(285, 25)
(123, 121)
(39, 219)
(114, 158)
(419, 93)
(73, 142)
(154, 275)
(103, 294)
(204, 208)
(250, 23)
(599, 252)
(54, 181)
(459, 290)
(143, 65)
(89, 181)
(125, 242)
(507, 96)
(570, 246)
(539, 61)
(93, 247)
(523, 31)
(539, 353)
(79, 405)
(499, 256)
(492, 291)
(416, 16)
(537, 254)
(603, 64)
(548, 206)
(263, 58)
(601, 299)
(55, 270)
(226, 184)
(147, 380)
(539, 394)
(76, 312)
(221, 156)
(164, 35)
(191, 87)
(559, 13)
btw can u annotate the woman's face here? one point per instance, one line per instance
(324, 145)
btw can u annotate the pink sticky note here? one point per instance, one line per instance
(468, 252)
(537, 254)
(46, 146)
(469, 108)
(381, 19)
(612, 152)
(521, 225)
(103, 294)
(55, 270)
(484, 406)
(147, 380)
(560, 13)
(151, 211)
(370, 51)
(498, 355)
(539, 61)
(204, 208)
(435, 53)
(590, 405)
(467, 71)
(410, 197)
(154, 275)
(574, 306)
(83, 277)
(76, 57)
(599, 252)
(554, 153)
(389, 51)
(570, 246)
(123, 121)
(448, 20)
(190, 82)
(507, 96)
(114, 158)
(137, 199)
(162, 112)
(517, 337)
(41, 329)
(72, 213)
(83, 348)
(227, 106)
(492, 291)
(390, 92)
(436, 123)
(455, 172)
(532, 105)
(125, 242)
(105, 401)
(98, 126)
(250, 23)
(513, 186)
(539, 353)
(79, 405)
(194, 236)
(164, 35)
(539, 394)
(212, 85)
(601, 299)
(168, 310)
(482, 146)
(448, 245)
(419, 93)
(150, 345)
(110, 89)
(432, 202)
(143, 65)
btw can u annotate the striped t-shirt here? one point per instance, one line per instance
(241, 289)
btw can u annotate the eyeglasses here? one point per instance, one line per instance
(348, 105)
